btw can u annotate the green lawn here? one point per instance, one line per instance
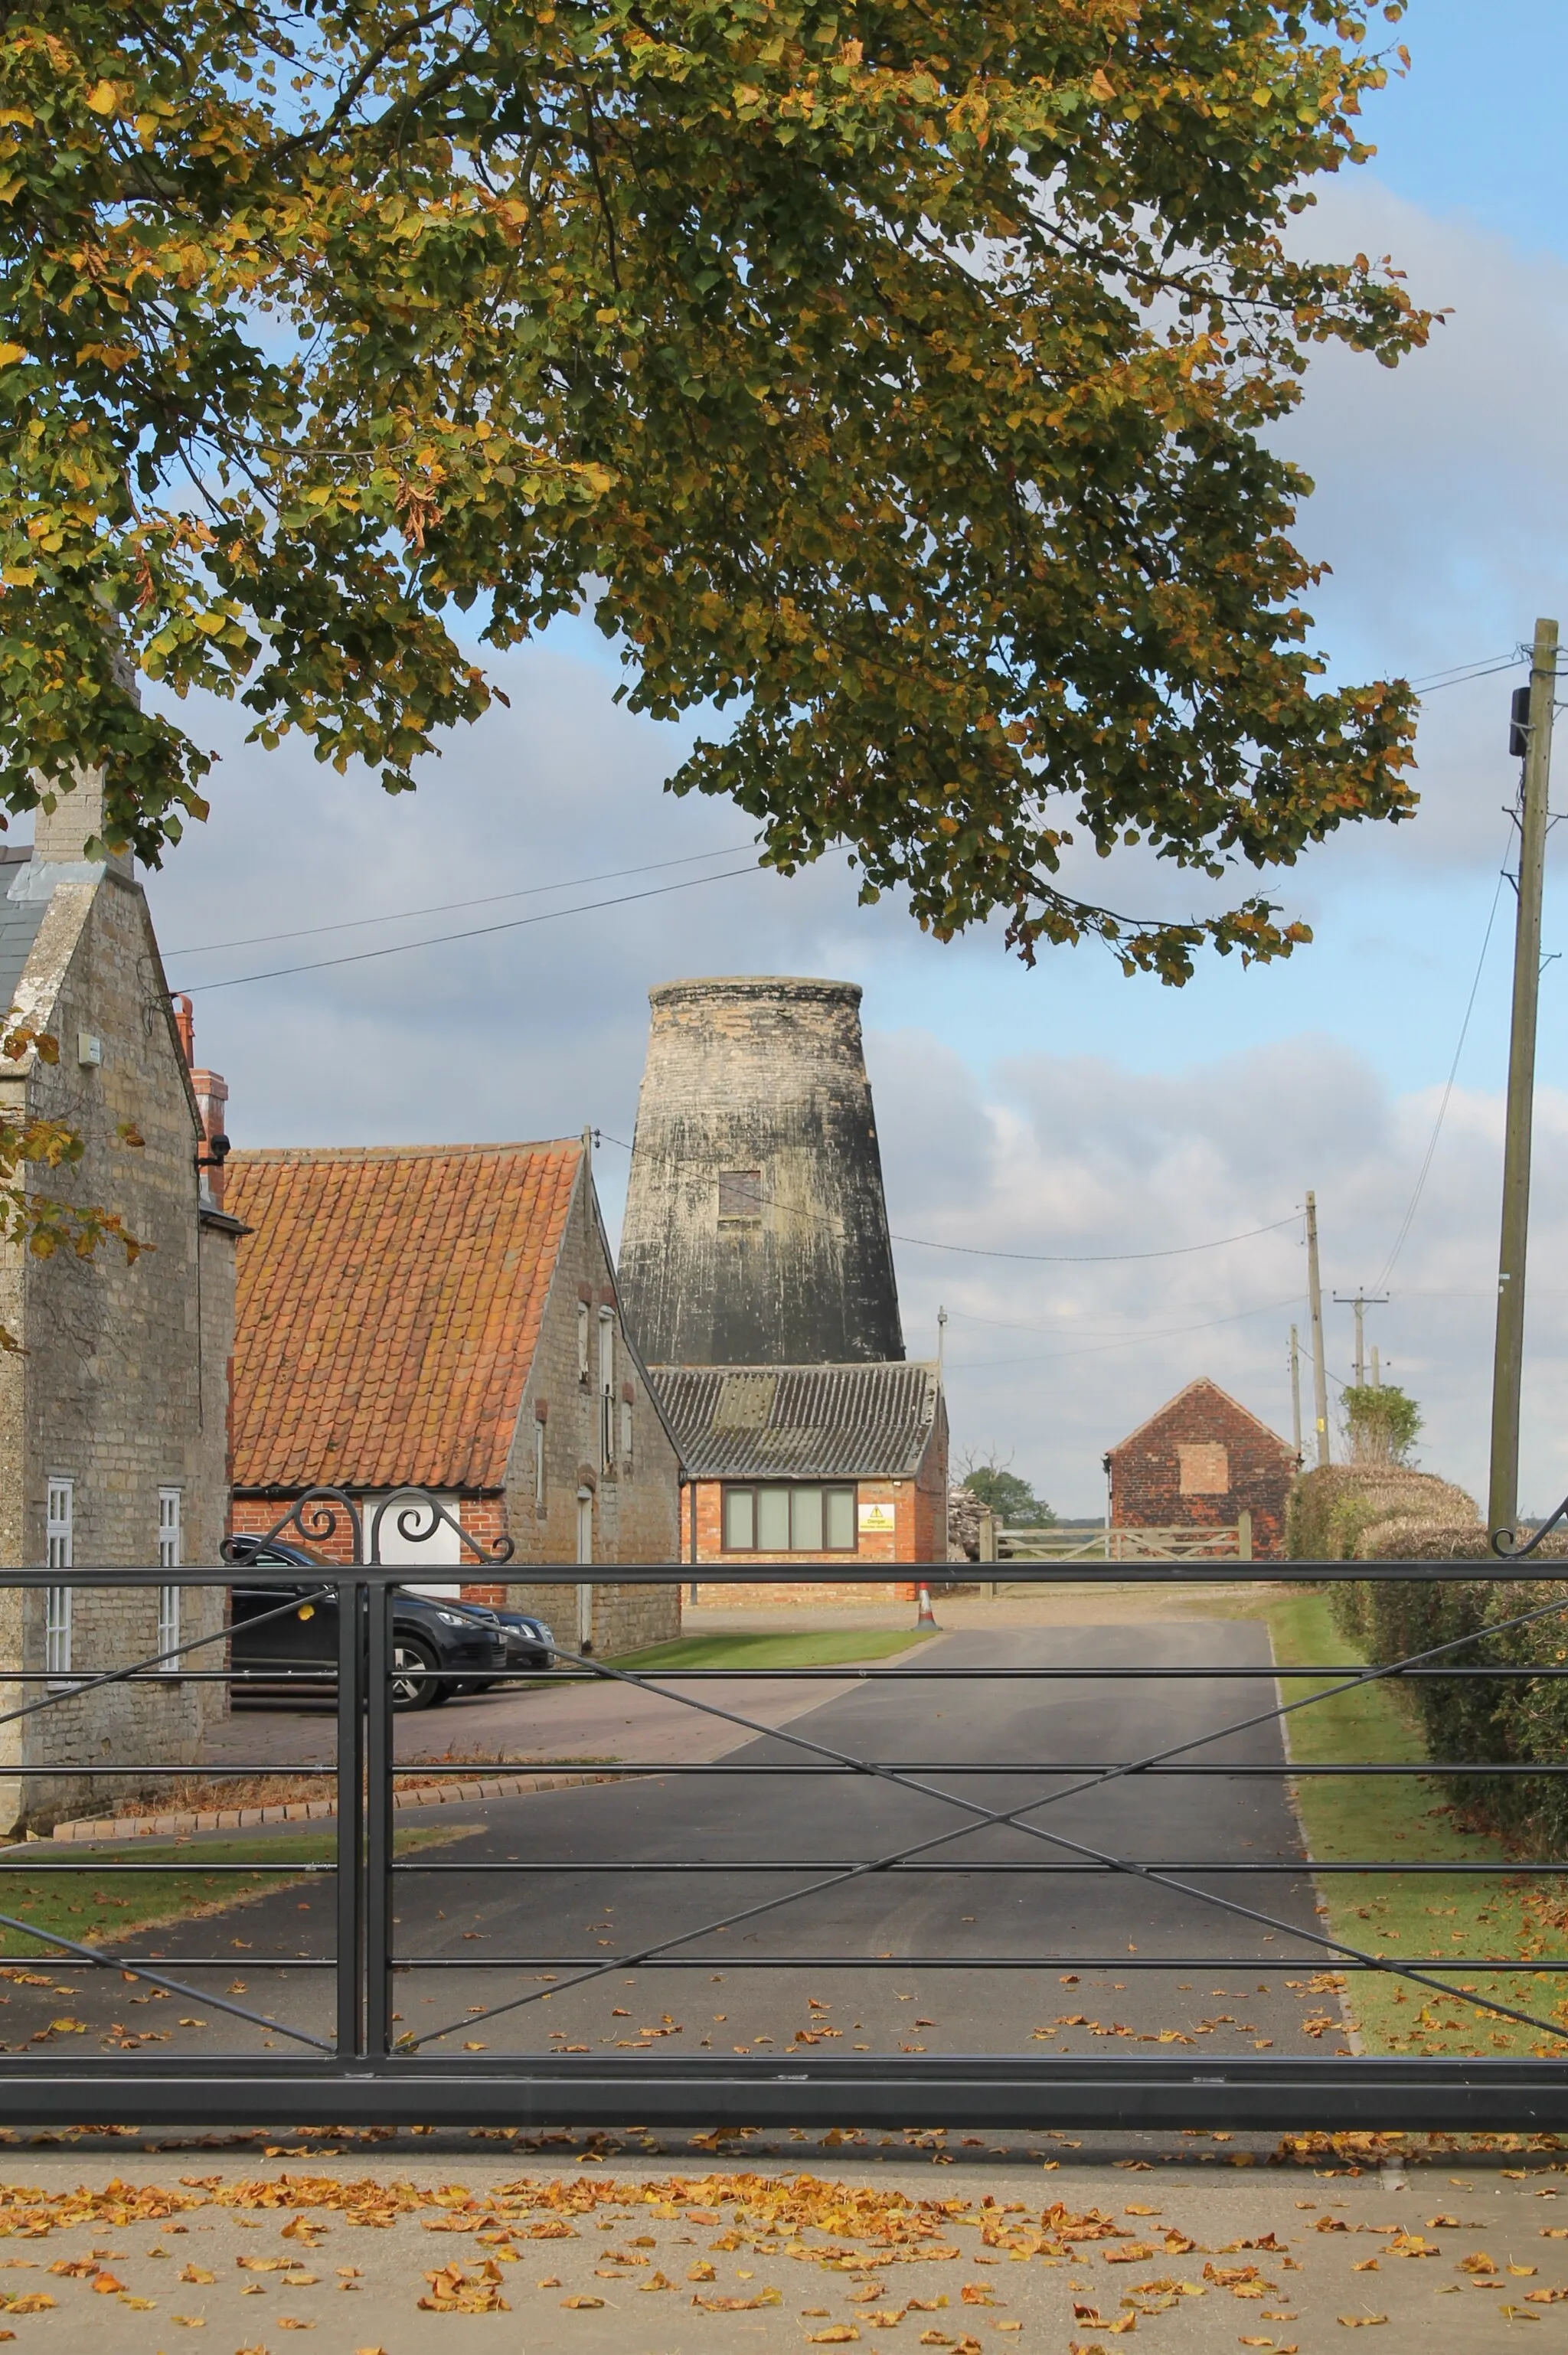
(99, 1906)
(1385, 1817)
(824, 1649)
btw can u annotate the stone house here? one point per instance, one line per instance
(113, 1412)
(444, 1317)
(1202, 1461)
(841, 1465)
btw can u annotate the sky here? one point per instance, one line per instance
(1065, 1120)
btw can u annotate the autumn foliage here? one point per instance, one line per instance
(896, 383)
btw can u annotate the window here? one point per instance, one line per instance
(538, 1464)
(740, 1194)
(606, 1388)
(795, 1520)
(60, 1540)
(169, 1501)
(626, 1429)
(583, 1340)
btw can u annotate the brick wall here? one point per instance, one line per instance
(123, 1387)
(1202, 1461)
(897, 1546)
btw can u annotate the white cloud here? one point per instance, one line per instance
(1075, 1155)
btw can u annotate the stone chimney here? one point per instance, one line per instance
(211, 1090)
(60, 835)
(756, 1232)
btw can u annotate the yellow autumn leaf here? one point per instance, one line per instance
(11, 353)
(104, 98)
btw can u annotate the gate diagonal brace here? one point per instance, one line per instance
(1015, 1818)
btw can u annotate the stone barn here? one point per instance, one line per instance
(445, 1317)
(1202, 1461)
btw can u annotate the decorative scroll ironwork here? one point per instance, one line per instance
(315, 1518)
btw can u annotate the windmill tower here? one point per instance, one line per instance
(757, 1232)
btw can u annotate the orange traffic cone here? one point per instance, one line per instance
(927, 1615)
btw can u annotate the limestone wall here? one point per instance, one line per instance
(121, 1390)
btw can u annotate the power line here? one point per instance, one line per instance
(1132, 1341)
(974, 1250)
(1486, 667)
(447, 907)
(481, 931)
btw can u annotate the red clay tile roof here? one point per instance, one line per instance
(389, 1304)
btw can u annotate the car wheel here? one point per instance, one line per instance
(414, 1683)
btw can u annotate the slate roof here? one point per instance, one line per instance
(19, 922)
(800, 1423)
(389, 1302)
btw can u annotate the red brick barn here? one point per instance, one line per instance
(1203, 1460)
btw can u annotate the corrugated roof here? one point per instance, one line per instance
(388, 1306)
(800, 1423)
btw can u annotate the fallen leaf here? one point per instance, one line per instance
(1479, 2263)
(582, 2301)
(291, 2322)
(737, 2305)
(106, 2284)
(189, 2321)
(136, 2305)
(195, 2274)
(839, 2334)
(1361, 2321)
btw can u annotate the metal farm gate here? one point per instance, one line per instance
(397, 2010)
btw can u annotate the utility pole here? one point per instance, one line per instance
(1315, 1300)
(1531, 734)
(1360, 1302)
(1295, 1393)
(941, 1342)
(1377, 1374)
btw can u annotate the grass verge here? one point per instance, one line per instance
(99, 1906)
(827, 1648)
(1383, 1817)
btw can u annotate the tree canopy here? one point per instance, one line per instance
(1009, 1495)
(1382, 1422)
(893, 381)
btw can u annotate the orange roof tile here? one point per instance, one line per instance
(388, 1306)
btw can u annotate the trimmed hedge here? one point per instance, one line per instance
(1509, 1723)
(1330, 1511)
(1348, 1513)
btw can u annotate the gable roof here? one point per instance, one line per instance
(1203, 1383)
(388, 1306)
(800, 1423)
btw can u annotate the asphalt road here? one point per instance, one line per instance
(1022, 1941)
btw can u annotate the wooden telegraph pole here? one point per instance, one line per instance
(1314, 1305)
(1529, 735)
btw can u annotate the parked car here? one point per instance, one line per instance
(529, 1643)
(438, 1647)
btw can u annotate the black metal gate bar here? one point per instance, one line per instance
(1020, 2094)
(368, 2080)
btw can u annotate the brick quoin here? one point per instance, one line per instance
(1146, 1468)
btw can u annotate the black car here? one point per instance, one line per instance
(529, 1643)
(274, 1646)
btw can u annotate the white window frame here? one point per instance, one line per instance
(606, 1388)
(171, 1532)
(60, 1548)
(538, 1464)
(583, 1341)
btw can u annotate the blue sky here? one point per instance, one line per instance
(1063, 1108)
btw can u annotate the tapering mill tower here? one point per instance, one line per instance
(757, 1232)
